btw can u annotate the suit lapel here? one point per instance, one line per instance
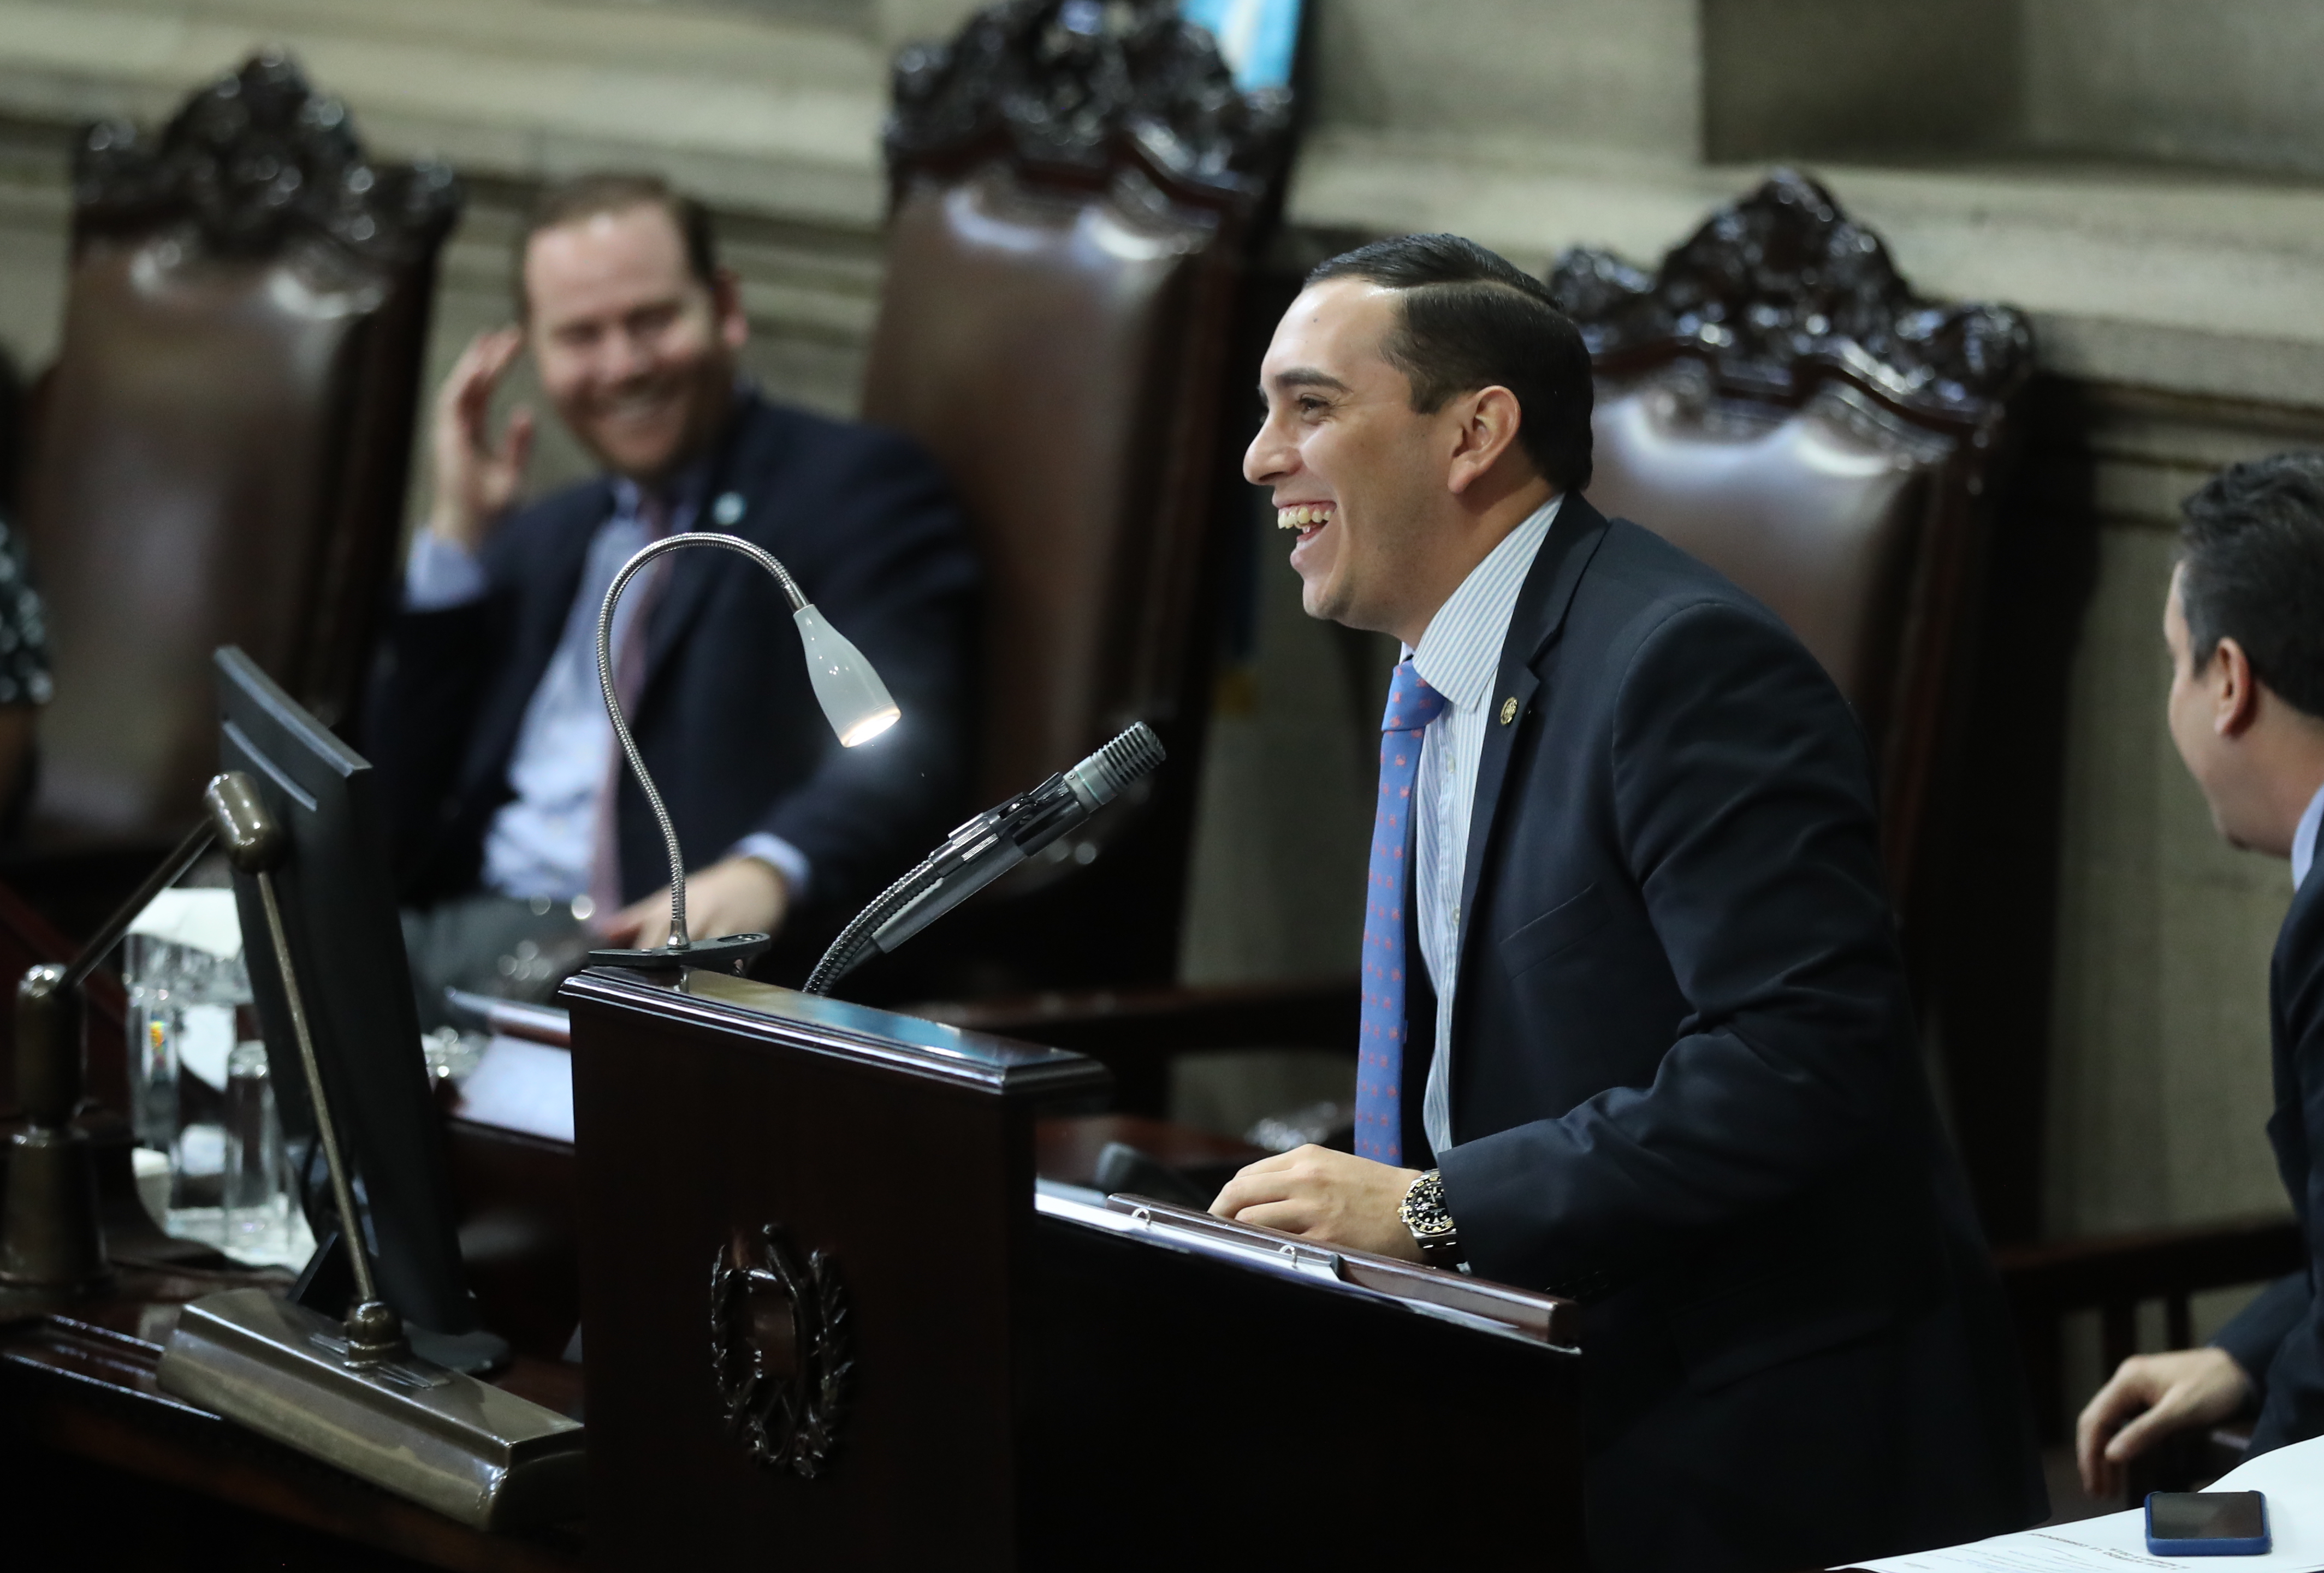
(1565, 553)
(2287, 1125)
(691, 576)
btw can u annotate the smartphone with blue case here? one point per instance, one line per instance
(2207, 1524)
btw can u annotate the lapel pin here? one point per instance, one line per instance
(1509, 710)
(727, 510)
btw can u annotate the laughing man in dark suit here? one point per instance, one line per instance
(1636, 1025)
(2245, 624)
(512, 827)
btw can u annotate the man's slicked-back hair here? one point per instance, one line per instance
(2253, 551)
(1467, 319)
(580, 197)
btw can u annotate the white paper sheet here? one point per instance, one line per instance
(206, 1041)
(2292, 1478)
(202, 918)
(521, 1086)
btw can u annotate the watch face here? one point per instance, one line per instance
(1424, 1207)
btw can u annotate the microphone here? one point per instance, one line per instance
(985, 848)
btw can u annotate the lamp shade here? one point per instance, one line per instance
(851, 692)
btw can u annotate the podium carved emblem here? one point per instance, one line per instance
(782, 1351)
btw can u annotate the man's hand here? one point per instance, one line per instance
(1335, 1198)
(738, 895)
(2167, 1393)
(477, 480)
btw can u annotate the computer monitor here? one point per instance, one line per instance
(338, 911)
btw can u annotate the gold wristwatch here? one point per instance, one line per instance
(1433, 1228)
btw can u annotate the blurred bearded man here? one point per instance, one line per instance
(519, 839)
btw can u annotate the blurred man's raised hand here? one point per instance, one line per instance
(476, 479)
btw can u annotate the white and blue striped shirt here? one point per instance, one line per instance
(2303, 840)
(1459, 655)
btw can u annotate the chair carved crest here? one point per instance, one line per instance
(256, 159)
(1785, 281)
(1074, 85)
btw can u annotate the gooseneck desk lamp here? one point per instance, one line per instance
(852, 695)
(860, 709)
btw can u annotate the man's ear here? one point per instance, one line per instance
(2235, 690)
(1489, 426)
(726, 300)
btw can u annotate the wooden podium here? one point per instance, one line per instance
(830, 1323)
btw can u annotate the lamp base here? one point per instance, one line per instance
(473, 1452)
(735, 953)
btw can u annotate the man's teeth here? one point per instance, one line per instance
(1303, 516)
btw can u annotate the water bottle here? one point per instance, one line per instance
(152, 1042)
(256, 1193)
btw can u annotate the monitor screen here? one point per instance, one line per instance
(338, 912)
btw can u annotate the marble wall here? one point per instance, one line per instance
(2225, 83)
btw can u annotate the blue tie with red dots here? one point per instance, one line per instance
(1412, 704)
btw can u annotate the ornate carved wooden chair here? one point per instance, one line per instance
(218, 454)
(1075, 188)
(1776, 400)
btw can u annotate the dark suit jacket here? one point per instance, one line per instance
(727, 720)
(2279, 1338)
(1685, 1087)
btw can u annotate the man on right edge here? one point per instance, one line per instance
(1635, 1023)
(2245, 623)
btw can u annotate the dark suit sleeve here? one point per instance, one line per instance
(2253, 1334)
(2279, 1339)
(901, 588)
(1743, 808)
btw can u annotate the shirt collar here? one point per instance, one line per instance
(1461, 649)
(2303, 840)
(681, 494)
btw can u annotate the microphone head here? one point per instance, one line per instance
(1097, 778)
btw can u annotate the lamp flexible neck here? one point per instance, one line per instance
(642, 556)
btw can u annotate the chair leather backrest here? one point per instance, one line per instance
(1045, 346)
(1818, 511)
(220, 449)
(1074, 189)
(1776, 400)
(181, 467)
